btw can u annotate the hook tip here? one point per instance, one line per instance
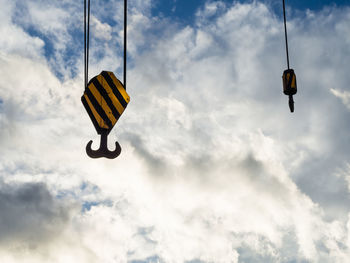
(103, 152)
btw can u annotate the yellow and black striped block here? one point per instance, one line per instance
(105, 99)
(289, 82)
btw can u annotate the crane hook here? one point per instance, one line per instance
(103, 150)
(291, 103)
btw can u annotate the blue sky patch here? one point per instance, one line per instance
(184, 10)
(177, 9)
(315, 4)
(151, 259)
(49, 49)
(86, 206)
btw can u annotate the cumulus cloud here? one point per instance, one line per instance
(29, 213)
(344, 96)
(214, 168)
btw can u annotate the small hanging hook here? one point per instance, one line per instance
(291, 103)
(103, 150)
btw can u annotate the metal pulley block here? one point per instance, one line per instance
(289, 86)
(289, 82)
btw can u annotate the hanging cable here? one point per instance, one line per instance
(125, 39)
(289, 78)
(87, 38)
(100, 104)
(285, 31)
(86, 42)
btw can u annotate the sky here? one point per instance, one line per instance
(214, 167)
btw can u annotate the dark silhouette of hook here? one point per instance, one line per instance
(103, 150)
(291, 103)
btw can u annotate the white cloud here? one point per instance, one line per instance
(101, 30)
(27, 46)
(213, 169)
(343, 95)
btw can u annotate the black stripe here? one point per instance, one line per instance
(114, 89)
(98, 108)
(104, 94)
(91, 115)
(291, 76)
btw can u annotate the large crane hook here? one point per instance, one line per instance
(105, 97)
(103, 150)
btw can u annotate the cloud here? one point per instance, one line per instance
(32, 221)
(28, 47)
(344, 96)
(213, 169)
(44, 217)
(102, 30)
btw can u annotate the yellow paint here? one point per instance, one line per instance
(120, 87)
(286, 78)
(102, 103)
(109, 91)
(293, 85)
(98, 118)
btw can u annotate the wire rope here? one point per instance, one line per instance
(125, 40)
(285, 31)
(87, 41)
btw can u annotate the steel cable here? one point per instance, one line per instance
(285, 31)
